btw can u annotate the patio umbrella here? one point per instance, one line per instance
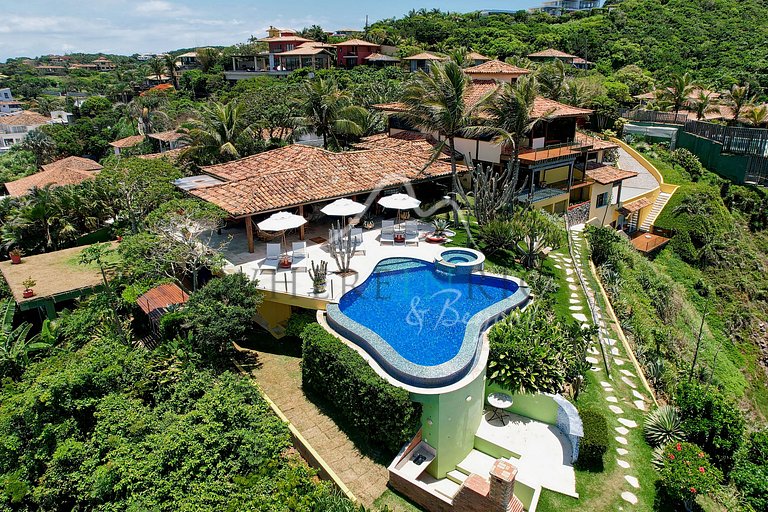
(343, 207)
(282, 221)
(399, 202)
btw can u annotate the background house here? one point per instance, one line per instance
(14, 127)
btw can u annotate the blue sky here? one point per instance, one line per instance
(36, 27)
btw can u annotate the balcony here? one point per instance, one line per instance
(540, 193)
(565, 153)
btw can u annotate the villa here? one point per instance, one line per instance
(561, 167)
(15, 127)
(7, 104)
(72, 170)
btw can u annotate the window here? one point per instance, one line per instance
(602, 200)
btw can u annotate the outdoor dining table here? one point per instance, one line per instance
(499, 402)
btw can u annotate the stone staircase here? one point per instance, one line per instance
(658, 206)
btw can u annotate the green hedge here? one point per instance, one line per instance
(382, 413)
(594, 444)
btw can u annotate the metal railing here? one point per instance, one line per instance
(653, 116)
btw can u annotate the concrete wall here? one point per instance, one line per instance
(537, 407)
(449, 423)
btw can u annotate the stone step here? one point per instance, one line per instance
(457, 476)
(446, 487)
(478, 463)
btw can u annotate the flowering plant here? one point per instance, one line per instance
(686, 472)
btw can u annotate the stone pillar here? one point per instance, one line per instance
(501, 494)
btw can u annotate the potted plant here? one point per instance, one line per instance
(367, 221)
(319, 275)
(15, 255)
(28, 284)
(285, 261)
(438, 233)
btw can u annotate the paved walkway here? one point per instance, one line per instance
(279, 376)
(620, 387)
(641, 183)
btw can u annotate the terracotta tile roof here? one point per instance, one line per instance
(171, 154)
(73, 163)
(636, 206)
(69, 171)
(356, 42)
(25, 118)
(480, 88)
(168, 136)
(605, 174)
(284, 39)
(477, 56)
(496, 67)
(303, 50)
(127, 142)
(380, 57)
(299, 174)
(158, 299)
(425, 56)
(542, 106)
(596, 142)
(551, 52)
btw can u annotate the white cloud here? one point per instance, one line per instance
(154, 7)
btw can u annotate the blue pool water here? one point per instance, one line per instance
(422, 314)
(458, 256)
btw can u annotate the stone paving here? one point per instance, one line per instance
(279, 376)
(640, 184)
(610, 346)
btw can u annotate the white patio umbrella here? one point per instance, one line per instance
(281, 221)
(343, 207)
(399, 202)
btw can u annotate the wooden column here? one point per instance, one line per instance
(301, 228)
(249, 233)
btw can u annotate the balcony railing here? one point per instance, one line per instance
(550, 154)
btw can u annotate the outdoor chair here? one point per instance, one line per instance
(299, 256)
(411, 232)
(387, 231)
(357, 240)
(272, 261)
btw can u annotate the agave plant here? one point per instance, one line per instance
(440, 225)
(663, 426)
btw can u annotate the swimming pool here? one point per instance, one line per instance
(421, 325)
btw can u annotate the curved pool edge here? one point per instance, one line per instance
(437, 376)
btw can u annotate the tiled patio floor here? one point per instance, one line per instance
(279, 376)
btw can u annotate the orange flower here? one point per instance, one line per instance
(693, 490)
(679, 447)
(701, 455)
(701, 469)
(671, 457)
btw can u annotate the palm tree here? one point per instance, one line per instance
(552, 78)
(680, 88)
(170, 66)
(207, 58)
(157, 66)
(438, 102)
(15, 344)
(757, 116)
(509, 115)
(220, 135)
(575, 93)
(739, 98)
(460, 56)
(702, 104)
(40, 144)
(329, 112)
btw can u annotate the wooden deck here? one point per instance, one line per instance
(647, 243)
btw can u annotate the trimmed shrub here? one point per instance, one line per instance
(594, 444)
(689, 162)
(381, 412)
(298, 321)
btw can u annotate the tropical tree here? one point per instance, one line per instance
(757, 116)
(41, 145)
(534, 230)
(170, 66)
(438, 101)
(16, 346)
(739, 98)
(680, 89)
(221, 134)
(329, 111)
(156, 67)
(185, 237)
(701, 104)
(552, 78)
(207, 58)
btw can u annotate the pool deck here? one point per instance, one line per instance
(297, 282)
